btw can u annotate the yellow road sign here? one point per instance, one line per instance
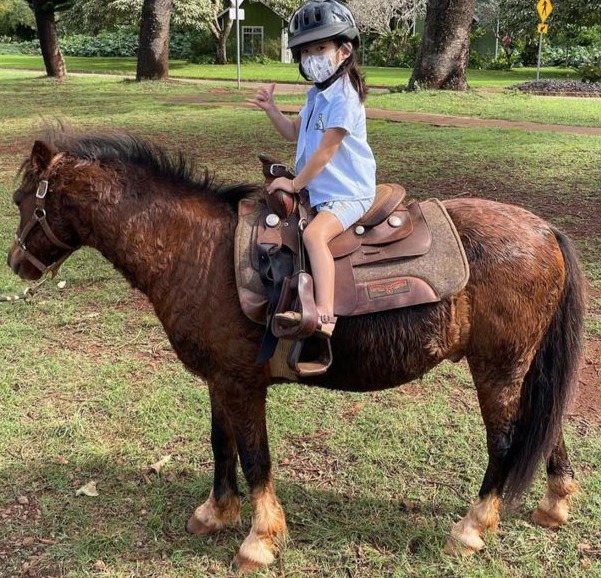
(543, 28)
(544, 7)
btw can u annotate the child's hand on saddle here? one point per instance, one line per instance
(281, 184)
(264, 97)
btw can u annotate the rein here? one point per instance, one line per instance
(39, 218)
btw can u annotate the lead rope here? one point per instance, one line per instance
(27, 292)
(49, 273)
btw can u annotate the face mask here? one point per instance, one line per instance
(319, 68)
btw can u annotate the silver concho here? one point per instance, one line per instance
(359, 230)
(272, 220)
(395, 221)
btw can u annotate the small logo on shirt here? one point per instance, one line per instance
(319, 125)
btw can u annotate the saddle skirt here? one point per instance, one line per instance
(397, 255)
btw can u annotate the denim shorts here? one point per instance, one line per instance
(348, 212)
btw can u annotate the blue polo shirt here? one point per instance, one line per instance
(351, 172)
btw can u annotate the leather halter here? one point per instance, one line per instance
(39, 218)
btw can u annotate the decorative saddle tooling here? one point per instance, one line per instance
(396, 255)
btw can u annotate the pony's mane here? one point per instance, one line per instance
(129, 149)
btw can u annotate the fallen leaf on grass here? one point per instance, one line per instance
(353, 410)
(157, 466)
(88, 490)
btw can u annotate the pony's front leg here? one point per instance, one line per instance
(222, 508)
(268, 531)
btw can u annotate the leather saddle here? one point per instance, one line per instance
(365, 281)
(389, 231)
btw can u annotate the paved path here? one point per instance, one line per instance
(427, 118)
(378, 113)
(418, 117)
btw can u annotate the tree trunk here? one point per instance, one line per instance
(444, 51)
(48, 35)
(153, 49)
(221, 35)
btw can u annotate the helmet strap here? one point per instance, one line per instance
(342, 69)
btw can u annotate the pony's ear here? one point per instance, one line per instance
(41, 155)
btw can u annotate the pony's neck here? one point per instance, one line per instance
(156, 239)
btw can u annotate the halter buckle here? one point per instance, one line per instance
(42, 189)
(277, 170)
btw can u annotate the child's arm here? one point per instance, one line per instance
(330, 143)
(286, 127)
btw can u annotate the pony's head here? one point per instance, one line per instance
(70, 178)
(44, 237)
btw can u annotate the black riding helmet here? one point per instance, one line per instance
(321, 20)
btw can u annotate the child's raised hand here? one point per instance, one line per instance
(264, 97)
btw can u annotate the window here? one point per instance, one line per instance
(252, 40)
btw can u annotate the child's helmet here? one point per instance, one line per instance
(321, 20)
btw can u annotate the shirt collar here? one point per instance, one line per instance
(328, 93)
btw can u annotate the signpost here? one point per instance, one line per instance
(544, 9)
(236, 13)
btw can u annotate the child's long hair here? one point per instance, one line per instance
(350, 66)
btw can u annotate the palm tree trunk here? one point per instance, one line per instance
(444, 51)
(153, 50)
(48, 36)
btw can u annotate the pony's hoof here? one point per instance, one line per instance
(198, 528)
(463, 541)
(455, 548)
(547, 520)
(254, 553)
(246, 565)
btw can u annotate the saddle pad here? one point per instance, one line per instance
(444, 267)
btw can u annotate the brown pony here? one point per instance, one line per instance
(518, 322)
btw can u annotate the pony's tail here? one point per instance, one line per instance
(550, 382)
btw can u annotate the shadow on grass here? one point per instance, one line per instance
(141, 517)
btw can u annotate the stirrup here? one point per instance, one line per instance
(325, 323)
(325, 326)
(289, 318)
(310, 367)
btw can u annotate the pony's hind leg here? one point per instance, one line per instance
(483, 515)
(498, 413)
(553, 509)
(222, 508)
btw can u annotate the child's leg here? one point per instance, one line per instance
(320, 231)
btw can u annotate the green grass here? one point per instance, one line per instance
(91, 390)
(479, 102)
(274, 71)
(514, 106)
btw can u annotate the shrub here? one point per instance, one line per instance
(574, 57)
(272, 49)
(477, 60)
(30, 47)
(590, 72)
(121, 42)
(392, 49)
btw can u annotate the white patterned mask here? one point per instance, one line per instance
(319, 68)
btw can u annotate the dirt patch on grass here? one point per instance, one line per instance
(586, 404)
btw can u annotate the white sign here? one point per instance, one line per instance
(240, 14)
(234, 2)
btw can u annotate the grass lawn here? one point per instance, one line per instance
(479, 102)
(275, 71)
(91, 390)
